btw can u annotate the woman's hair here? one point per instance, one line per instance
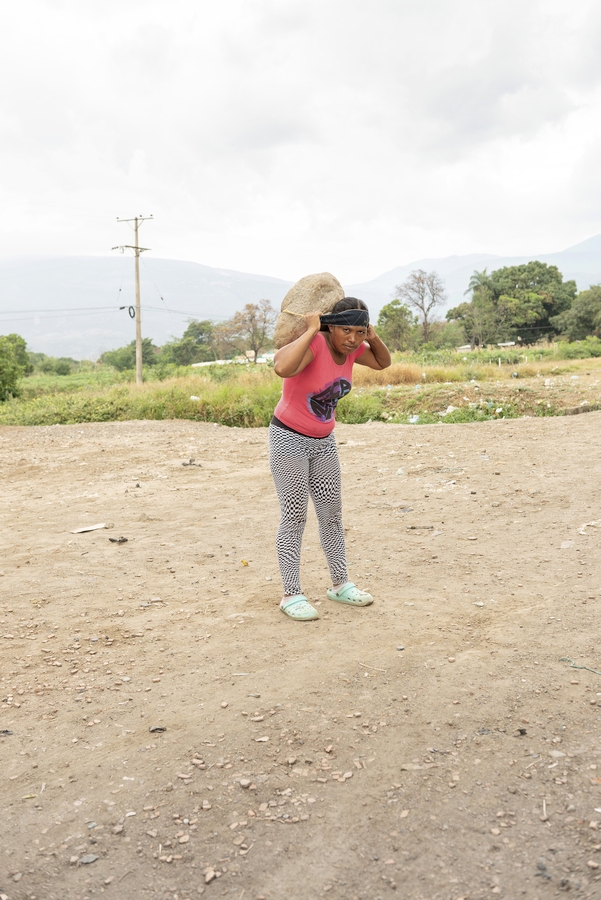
(348, 303)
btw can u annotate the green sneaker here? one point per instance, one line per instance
(350, 593)
(298, 607)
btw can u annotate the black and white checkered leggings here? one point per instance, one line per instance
(301, 466)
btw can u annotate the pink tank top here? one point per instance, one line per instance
(309, 399)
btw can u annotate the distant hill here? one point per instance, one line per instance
(45, 300)
(581, 263)
(60, 289)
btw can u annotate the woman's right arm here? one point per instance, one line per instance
(296, 356)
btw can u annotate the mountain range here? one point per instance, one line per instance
(70, 306)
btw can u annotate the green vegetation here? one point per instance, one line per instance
(523, 304)
(591, 347)
(410, 391)
(51, 365)
(241, 404)
(39, 384)
(430, 380)
(248, 331)
(125, 357)
(14, 364)
(515, 303)
(583, 318)
(402, 331)
(197, 344)
(397, 326)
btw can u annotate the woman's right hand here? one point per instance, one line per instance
(313, 321)
(292, 358)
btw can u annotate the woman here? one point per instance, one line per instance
(317, 371)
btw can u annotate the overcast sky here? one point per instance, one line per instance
(292, 136)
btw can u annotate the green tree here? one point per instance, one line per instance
(20, 347)
(423, 291)
(535, 287)
(197, 344)
(515, 302)
(396, 325)
(50, 365)
(62, 367)
(480, 281)
(446, 335)
(14, 363)
(478, 318)
(46, 365)
(583, 318)
(481, 317)
(125, 357)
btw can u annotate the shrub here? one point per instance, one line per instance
(579, 349)
(360, 407)
(14, 363)
(10, 369)
(125, 357)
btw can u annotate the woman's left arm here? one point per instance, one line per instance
(376, 355)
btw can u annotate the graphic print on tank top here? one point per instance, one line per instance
(323, 405)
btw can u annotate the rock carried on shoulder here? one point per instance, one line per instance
(313, 293)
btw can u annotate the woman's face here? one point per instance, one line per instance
(347, 338)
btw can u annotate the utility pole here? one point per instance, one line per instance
(137, 250)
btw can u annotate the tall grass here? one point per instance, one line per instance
(247, 395)
(248, 401)
(506, 356)
(411, 373)
(39, 384)
(441, 366)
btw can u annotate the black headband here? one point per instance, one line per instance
(357, 317)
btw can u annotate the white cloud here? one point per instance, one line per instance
(283, 137)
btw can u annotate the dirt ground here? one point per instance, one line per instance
(434, 746)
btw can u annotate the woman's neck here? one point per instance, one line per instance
(338, 357)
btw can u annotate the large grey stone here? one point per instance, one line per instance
(313, 293)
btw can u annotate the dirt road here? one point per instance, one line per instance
(165, 732)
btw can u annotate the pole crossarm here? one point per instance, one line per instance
(130, 247)
(136, 219)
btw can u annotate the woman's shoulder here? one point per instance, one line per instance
(318, 344)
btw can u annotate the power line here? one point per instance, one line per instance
(180, 312)
(95, 310)
(155, 287)
(121, 285)
(7, 312)
(29, 318)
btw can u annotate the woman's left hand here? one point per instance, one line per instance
(376, 355)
